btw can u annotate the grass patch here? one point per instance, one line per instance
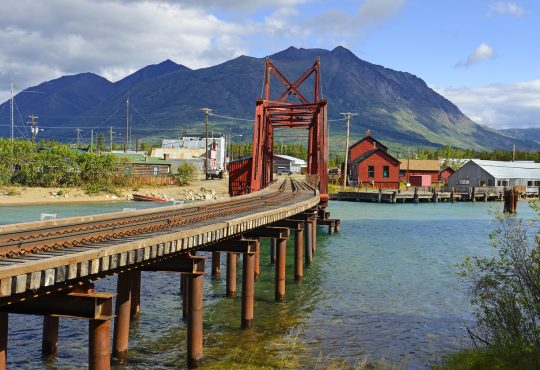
(490, 359)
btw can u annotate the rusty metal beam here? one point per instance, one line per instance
(99, 344)
(195, 320)
(230, 282)
(269, 232)
(233, 246)
(183, 264)
(95, 305)
(290, 224)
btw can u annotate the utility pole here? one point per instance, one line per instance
(92, 141)
(348, 116)
(127, 125)
(207, 112)
(110, 138)
(513, 153)
(34, 127)
(78, 137)
(11, 112)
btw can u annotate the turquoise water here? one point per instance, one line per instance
(384, 288)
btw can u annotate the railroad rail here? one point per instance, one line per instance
(44, 256)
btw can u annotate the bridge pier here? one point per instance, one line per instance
(299, 253)
(49, 342)
(257, 259)
(195, 283)
(231, 274)
(248, 288)
(273, 243)
(308, 246)
(99, 344)
(185, 296)
(3, 339)
(135, 295)
(281, 256)
(216, 264)
(123, 315)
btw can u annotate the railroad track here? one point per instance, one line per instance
(46, 236)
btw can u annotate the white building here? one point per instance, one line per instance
(193, 147)
(292, 164)
(477, 172)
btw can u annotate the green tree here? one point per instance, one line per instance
(101, 143)
(185, 174)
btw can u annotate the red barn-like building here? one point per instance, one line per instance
(370, 164)
(445, 173)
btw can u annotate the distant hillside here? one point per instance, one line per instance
(524, 133)
(396, 106)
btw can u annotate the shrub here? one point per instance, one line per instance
(185, 174)
(505, 289)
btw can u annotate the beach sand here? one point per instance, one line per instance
(200, 189)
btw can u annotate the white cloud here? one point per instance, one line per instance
(481, 53)
(499, 106)
(506, 8)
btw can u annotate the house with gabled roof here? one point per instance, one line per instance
(370, 164)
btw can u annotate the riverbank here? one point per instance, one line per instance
(197, 190)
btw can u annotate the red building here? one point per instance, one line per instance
(445, 173)
(370, 164)
(417, 167)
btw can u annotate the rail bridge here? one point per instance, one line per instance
(48, 268)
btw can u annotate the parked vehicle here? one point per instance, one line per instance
(283, 171)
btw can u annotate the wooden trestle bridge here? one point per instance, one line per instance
(47, 267)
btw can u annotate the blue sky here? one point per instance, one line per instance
(480, 54)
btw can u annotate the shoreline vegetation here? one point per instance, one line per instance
(504, 289)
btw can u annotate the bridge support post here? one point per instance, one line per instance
(248, 288)
(49, 342)
(99, 348)
(231, 274)
(298, 254)
(185, 296)
(136, 295)
(216, 264)
(195, 284)
(273, 242)
(281, 255)
(308, 242)
(3, 340)
(123, 314)
(314, 239)
(257, 259)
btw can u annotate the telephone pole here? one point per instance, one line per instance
(348, 116)
(127, 125)
(92, 141)
(78, 137)
(110, 138)
(11, 112)
(207, 112)
(34, 127)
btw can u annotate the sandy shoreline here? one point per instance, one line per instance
(13, 195)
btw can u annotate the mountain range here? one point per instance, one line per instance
(165, 98)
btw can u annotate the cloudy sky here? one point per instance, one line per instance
(483, 55)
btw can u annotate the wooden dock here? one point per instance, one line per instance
(419, 196)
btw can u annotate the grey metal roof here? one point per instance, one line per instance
(510, 170)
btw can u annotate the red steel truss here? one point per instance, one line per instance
(310, 115)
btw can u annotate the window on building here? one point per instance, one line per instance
(502, 183)
(371, 171)
(483, 183)
(530, 183)
(537, 183)
(402, 173)
(386, 171)
(156, 170)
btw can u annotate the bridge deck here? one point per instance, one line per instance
(37, 259)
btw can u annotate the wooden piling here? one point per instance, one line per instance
(281, 255)
(99, 348)
(248, 289)
(3, 340)
(122, 319)
(135, 295)
(216, 264)
(416, 199)
(473, 194)
(510, 201)
(231, 274)
(195, 289)
(298, 255)
(49, 341)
